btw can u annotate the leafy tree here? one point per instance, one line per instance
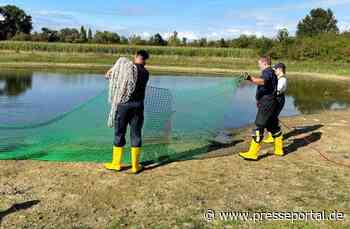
(264, 45)
(3, 33)
(89, 35)
(283, 35)
(212, 44)
(194, 43)
(36, 37)
(184, 41)
(281, 47)
(49, 35)
(21, 37)
(174, 40)
(222, 43)
(106, 37)
(69, 35)
(317, 22)
(203, 42)
(245, 41)
(124, 40)
(157, 39)
(136, 40)
(14, 20)
(83, 34)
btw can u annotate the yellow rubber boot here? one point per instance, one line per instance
(116, 161)
(269, 139)
(135, 160)
(252, 154)
(279, 146)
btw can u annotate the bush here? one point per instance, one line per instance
(325, 47)
(21, 37)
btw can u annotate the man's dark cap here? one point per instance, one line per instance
(279, 65)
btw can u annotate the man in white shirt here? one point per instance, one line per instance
(280, 70)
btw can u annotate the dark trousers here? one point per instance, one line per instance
(132, 114)
(267, 118)
(281, 100)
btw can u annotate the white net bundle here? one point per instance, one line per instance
(122, 83)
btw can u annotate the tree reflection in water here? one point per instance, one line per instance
(15, 83)
(312, 95)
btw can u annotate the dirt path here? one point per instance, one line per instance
(73, 195)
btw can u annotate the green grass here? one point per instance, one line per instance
(190, 60)
(125, 49)
(101, 61)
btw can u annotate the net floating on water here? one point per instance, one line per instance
(180, 124)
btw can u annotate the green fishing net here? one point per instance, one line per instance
(180, 123)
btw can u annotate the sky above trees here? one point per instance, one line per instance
(191, 18)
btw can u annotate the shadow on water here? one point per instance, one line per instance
(18, 207)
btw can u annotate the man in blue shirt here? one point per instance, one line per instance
(266, 117)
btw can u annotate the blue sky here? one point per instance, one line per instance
(191, 18)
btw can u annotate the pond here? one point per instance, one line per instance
(62, 117)
(40, 95)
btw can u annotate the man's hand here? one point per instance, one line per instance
(246, 76)
(108, 74)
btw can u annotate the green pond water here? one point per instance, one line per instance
(62, 117)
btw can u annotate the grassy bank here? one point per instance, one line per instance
(165, 63)
(125, 49)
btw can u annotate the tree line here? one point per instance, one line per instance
(317, 35)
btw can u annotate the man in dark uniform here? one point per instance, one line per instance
(131, 113)
(267, 115)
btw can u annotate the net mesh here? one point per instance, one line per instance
(180, 124)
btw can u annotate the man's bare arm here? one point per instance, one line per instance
(257, 80)
(108, 74)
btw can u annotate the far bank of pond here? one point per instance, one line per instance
(99, 63)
